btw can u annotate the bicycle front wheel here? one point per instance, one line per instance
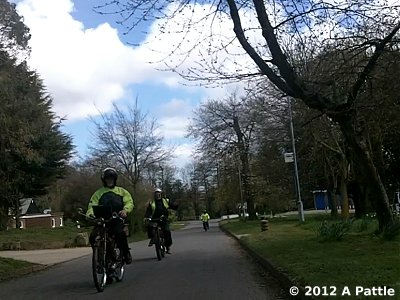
(99, 267)
(158, 245)
(162, 243)
(119, 271)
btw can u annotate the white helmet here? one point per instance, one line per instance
(157, 190)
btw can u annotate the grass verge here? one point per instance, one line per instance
(11, 268)
(360, 258)
(52, 238)
(43, 238)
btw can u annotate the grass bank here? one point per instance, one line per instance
(53, 238)
(11, 268)
(43, 238)
(360, 258)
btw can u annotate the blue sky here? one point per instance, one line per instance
(87, 64)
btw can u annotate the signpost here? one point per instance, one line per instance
(291, 157)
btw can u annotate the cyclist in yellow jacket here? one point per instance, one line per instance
(155, 209)
(120, 201)
(205, 217)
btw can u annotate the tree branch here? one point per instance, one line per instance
(370, 65)
(238, 29)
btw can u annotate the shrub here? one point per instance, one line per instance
(333, 231)
(392, 230)
(364, 224)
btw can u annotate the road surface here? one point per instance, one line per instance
(203, 265)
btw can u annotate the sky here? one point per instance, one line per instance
(87, 63)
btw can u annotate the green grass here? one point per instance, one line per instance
(10, 268)
(29, 239)
(43, 238)
(359, 259)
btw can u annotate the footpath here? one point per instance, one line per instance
(47, 256)
(42, 259)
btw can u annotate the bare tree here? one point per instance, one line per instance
(339, 107)
(225, 128)
(282, 29)
(129, 141)
(200, 178)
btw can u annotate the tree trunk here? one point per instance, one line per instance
(345, 198)
(16, 212)
(359, 199)
(334, 210)
(247, 191)
(343, 189)
(245, 178)
(365, 168)
(3, 218)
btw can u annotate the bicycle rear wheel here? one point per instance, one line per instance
(99, 267)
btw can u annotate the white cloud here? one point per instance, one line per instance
(183, 154)
(176, 107)
(174, 127)
(85, 69)
(174, 117)
(193, 38)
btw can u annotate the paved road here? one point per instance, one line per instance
(203, 265)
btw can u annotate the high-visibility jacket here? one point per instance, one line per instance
(153, 204)
(205, 217)
(117, 197)
(155, 211)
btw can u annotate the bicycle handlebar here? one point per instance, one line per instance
(160, 219)
(96, 220)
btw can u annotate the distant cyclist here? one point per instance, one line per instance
(205, 217)
(120, 201)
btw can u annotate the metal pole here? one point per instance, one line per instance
(236, 156)
(299, 202)
(241, 193)
(162, 182)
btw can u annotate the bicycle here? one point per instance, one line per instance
(206, 226)
(107, 259)
(158, 236)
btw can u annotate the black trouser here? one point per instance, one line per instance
(206, 225)
(166, 232)
(116, 228)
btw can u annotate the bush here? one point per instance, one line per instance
(364, 224)
(333, 231)
(392, 230)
